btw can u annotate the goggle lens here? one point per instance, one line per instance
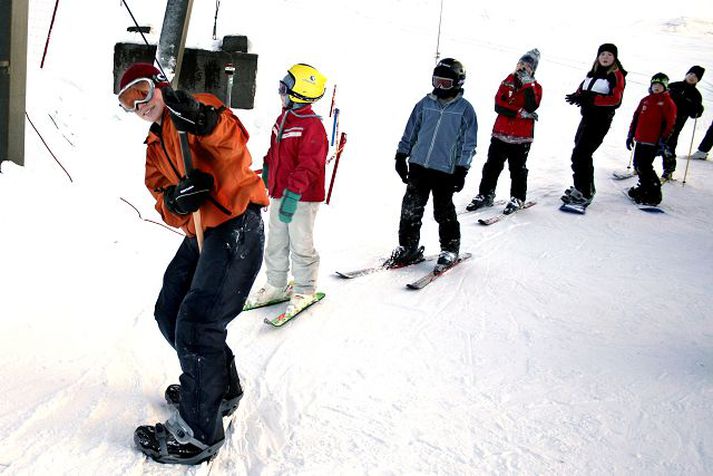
(136, 93)
(442, 83)
(283, 89)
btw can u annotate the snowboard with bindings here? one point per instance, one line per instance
(284, 318)
(642, 206)
(437, 273)
(503, 215)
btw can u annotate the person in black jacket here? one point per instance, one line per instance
(598, 96)
(689, 104)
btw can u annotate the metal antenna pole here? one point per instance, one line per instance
(438, 41)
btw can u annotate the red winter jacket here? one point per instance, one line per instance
(511, 98)
(654, 118)
(297, 155)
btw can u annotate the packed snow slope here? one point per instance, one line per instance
(567, 345)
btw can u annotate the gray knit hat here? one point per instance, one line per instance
(532, 58)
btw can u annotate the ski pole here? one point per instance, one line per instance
(335, 125)
(342, 143)
(690, 148)
(631, 159)
(334, 93)
(47, 43)
(230, 71)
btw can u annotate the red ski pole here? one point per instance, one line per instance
(340, 148)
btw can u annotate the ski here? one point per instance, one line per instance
(573, 208)
(624, 175)
(433, 275)
(381, 267)
(500, 216)
(284, 318)
(495, 203)
(266, 303)
(644, 207)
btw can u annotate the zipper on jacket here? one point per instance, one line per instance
(433, 139)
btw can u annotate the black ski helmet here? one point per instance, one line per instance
(451, 68)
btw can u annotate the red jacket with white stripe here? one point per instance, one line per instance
(298, 154)
(654, 118)
(512, 98)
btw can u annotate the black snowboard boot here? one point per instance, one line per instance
(173, 443)
(231, 399)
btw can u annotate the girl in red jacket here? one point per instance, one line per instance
(517, 99)
(651, 126)
(293, 171)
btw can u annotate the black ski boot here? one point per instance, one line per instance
(445, 261)
(403, 256)
(480, 201)
(231, 399)
(173, 443)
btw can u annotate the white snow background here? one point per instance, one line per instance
(567, 345)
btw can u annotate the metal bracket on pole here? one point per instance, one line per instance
(230, 72)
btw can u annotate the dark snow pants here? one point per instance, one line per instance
(649, 183)
(707, 142)
(669, 160)
(201, 294)
(516, 156)
(590, 135)
(421, 183)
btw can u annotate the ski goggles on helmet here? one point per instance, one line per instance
(439, 82)
(137, 92)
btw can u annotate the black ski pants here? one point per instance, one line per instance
(707, 142)
(421, 183)
(590, 135)
(669, 160)
(649, 183)
(516, 156)
(201, 293)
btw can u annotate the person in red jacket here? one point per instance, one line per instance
(598, 97)
(293, 171)
(203, 289)
(517, 99)
(651, 126)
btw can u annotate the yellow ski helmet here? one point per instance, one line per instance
(304, 84)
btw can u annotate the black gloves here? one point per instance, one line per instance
(189, 194)
(188, 114)
(629, 142)
(459, 178)
(402, 166)
(580, 98)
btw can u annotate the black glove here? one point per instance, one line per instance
(188, 114)
(189, 194)
(663, 149)
(574, 98)
(629, 142)
(459, 178)
(402, 166)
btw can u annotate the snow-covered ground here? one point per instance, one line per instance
(567, 345)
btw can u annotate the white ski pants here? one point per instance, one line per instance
(297, 239)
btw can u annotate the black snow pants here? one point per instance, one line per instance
(590, 134)
(421, 183)
(516, 156)
(707, 142)
(669, 160)
(649, 183)
(201, 293)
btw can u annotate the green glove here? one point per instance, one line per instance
(288, 205)
(264, 173)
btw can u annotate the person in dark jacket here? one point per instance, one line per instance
(689, 103)
(516, 101)
(598, 97)
(439, 142)
(203, 289)
(652, 124)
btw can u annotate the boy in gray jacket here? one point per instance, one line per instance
(434, 156)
